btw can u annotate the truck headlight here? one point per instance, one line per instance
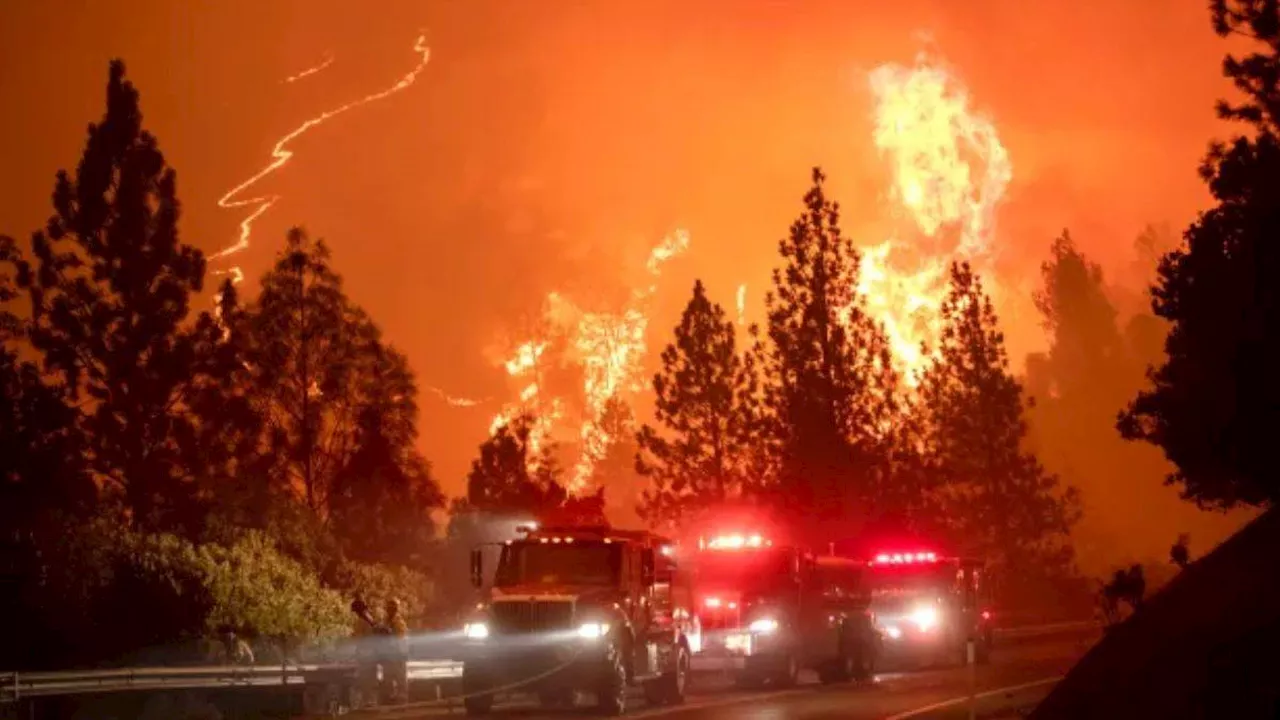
(475, 630)
(763, 626)
(925, 617)
(593, 630)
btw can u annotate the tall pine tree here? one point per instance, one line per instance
(998, 499)
(831, 384)
(1214, 400)
(695, 456)
(382, 498)
(309, 347)
(110, 297)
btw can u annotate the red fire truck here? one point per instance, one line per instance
(928, 607)
(574, 609)
(766, 610)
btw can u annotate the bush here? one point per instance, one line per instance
(377, 583)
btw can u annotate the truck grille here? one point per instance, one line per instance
(521, 616)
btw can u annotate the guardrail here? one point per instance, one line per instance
(17, 686)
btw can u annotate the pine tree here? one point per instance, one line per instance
(999, 500)
(503, 480)
(381, 500)
(308, 350)
(830, 381)
(110, 301)
(1213, 403)
(695, 457)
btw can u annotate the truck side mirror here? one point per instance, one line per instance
(477, 568)
(647, 566)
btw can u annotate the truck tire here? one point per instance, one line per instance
(611, 692)
(669, 689)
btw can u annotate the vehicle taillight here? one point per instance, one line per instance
(986, 614)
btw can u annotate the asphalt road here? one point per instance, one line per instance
(1017, 677)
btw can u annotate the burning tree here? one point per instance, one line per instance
(829, 377)
(1213, 402)
(996, 497)
(512, 477)
(697, 456)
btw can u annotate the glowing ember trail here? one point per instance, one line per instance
(742, 304)
(949, 173)
(455, 401)
(607, 347)
(280, 154)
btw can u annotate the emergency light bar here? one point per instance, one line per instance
(737, 542)
(905, 558)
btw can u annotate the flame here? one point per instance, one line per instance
(280, 154)
(453, 400)
(608, 348)
(328, 60)
(949, 173)
(742, 304)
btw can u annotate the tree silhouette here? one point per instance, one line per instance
(998, 499)
(381, 500)
(309, 348)
(1213, 401)
(110, 299)
(502, 480)
(696, 455)
(830, 381)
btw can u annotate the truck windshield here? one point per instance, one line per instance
(558, 564)
(747, 570)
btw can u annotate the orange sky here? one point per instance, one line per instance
(549, 144)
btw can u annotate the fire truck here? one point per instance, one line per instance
(576, 609)
(767, 610)
(928, 607)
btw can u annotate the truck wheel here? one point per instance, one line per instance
(838, 670)
(669, 689)
(611, 693)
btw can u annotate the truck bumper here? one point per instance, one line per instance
(509, 667)
(738, 649)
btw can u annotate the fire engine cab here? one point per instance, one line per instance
(574, 609)
(766, 610)
(928, 607)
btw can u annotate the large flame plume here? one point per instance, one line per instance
(949, 172)
(607, 350)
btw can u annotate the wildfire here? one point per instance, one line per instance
(608, 349)
(742, 304)
(281, 154)
(949, 173)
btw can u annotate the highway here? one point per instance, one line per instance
(1017, 676)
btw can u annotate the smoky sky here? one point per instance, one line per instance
(549, 144)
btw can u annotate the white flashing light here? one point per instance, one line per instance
(475, 631)
(569, 540)
(666, 550)
(711, 602)
(893, 632)
(905, 558)
(763, 626)
(737, 542)
(555, 540)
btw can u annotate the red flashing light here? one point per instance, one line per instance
(986, 614)
(905, 558)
